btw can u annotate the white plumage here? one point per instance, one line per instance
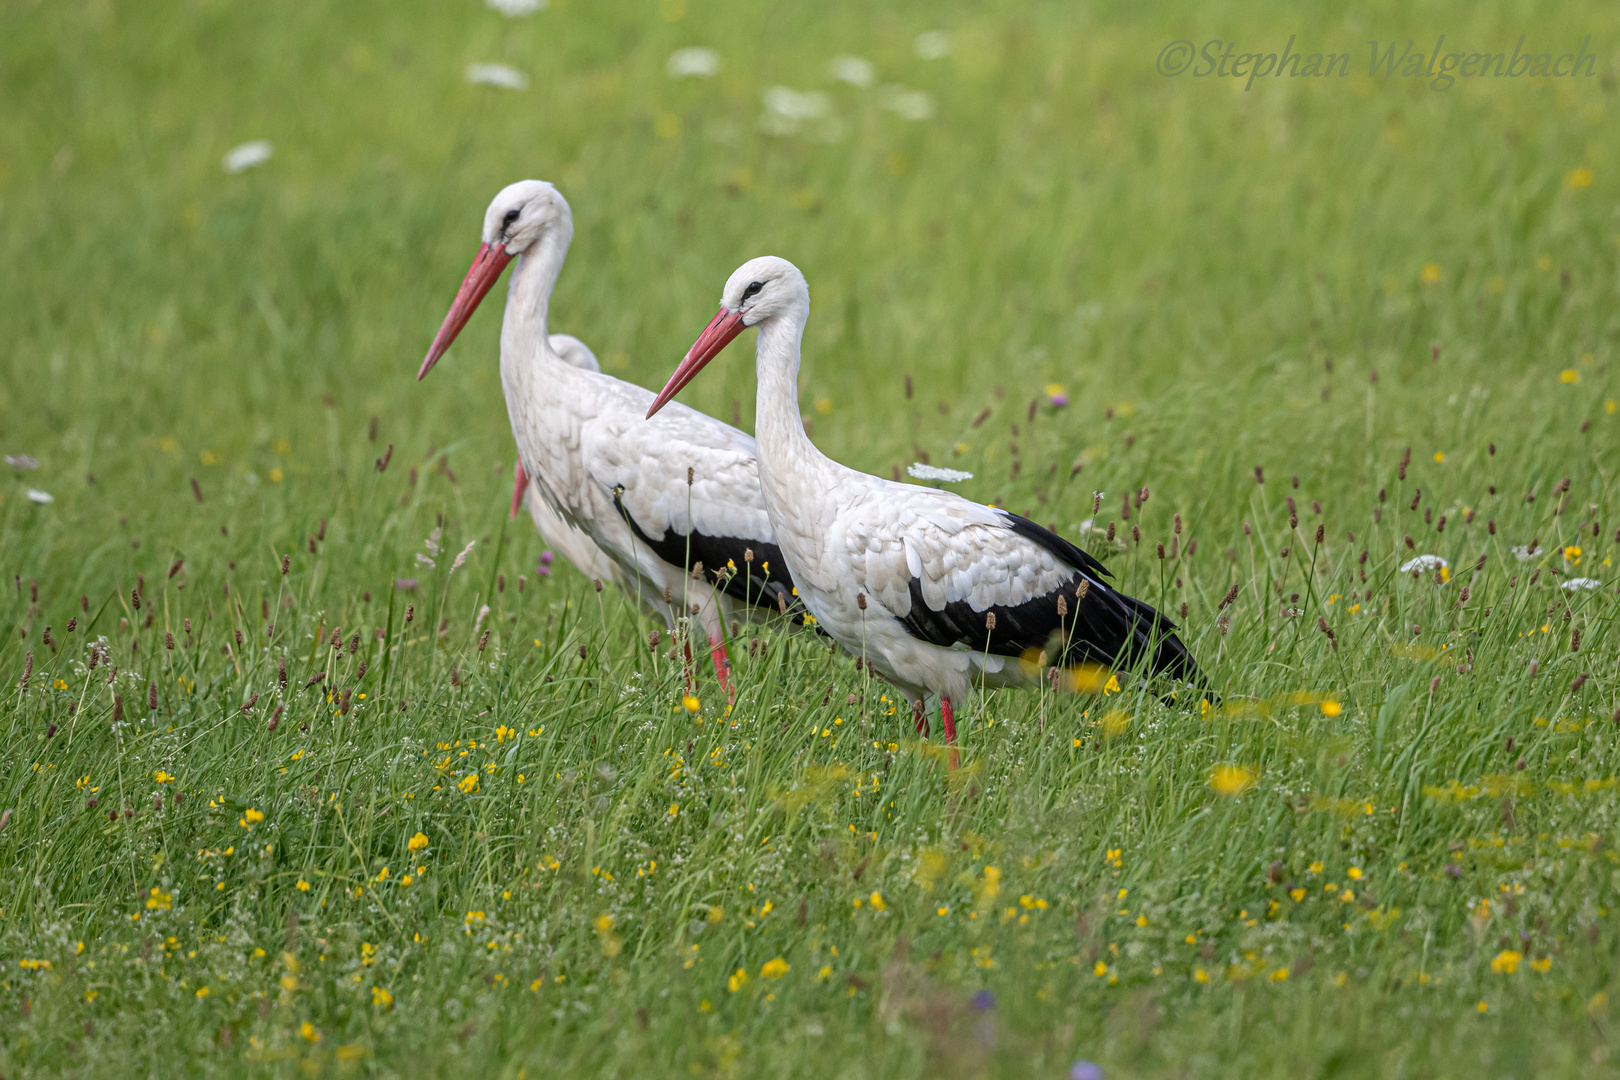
(653, 500)
(909, 576)
(570, 541)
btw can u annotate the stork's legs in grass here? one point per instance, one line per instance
(920, 717)
(949, 720)
(722, 668)
(520, 484)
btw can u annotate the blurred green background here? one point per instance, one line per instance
(1065, 215)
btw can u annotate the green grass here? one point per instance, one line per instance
(1213, 276)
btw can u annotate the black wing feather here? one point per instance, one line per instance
(764, 581)
(1105, 627)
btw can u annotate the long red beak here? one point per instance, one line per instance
(716, 336)
(486, 267)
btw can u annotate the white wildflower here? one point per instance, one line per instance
(932, 45)
(249, 154)
(424, 560)
(694, 62)
(36, 495)
(463, 556)
(22, 462)
(1587, 583)
(1424, 562)
(907, 104)
(512, 9)
(501, 75)
(1524, 554)
(789, 112)
(934, 472)
(853, 70)
(432, 542)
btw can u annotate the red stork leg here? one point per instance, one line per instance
(520, 484)
(722, 668)
(950, 729)
(920, 717)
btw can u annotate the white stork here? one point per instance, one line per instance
(570, 541)
(935, 591)
(676, 506)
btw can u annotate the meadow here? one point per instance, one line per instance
(317, 764)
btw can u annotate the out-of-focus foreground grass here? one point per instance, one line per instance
(1383, 851)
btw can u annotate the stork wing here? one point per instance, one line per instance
(942, 564)
(688, 486)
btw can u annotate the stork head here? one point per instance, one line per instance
(518, 218)
(758, 291)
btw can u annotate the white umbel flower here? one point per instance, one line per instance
(507, 78)
(695, 62)
(934, 472)
(244, 157)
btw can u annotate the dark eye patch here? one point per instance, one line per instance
(511, 216)
(753, 288)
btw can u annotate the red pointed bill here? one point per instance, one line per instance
(716, 336)
(486, 267)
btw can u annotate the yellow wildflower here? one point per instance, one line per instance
(1230, 780)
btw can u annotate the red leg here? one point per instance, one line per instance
(950, 729)
(722, 668)
(520, 484)
(920, 717)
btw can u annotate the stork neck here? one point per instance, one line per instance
(777, 425)
(528, 300)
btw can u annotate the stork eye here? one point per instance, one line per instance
(753, 288)
(511, 216)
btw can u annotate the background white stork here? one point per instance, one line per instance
(570, 541)
(676, 505)
(937, 592)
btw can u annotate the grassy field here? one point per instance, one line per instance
(493, 841)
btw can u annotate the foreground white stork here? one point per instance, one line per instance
(936, 592)
(676, 506)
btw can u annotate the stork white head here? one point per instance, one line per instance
(759, 291)
(520, 216)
